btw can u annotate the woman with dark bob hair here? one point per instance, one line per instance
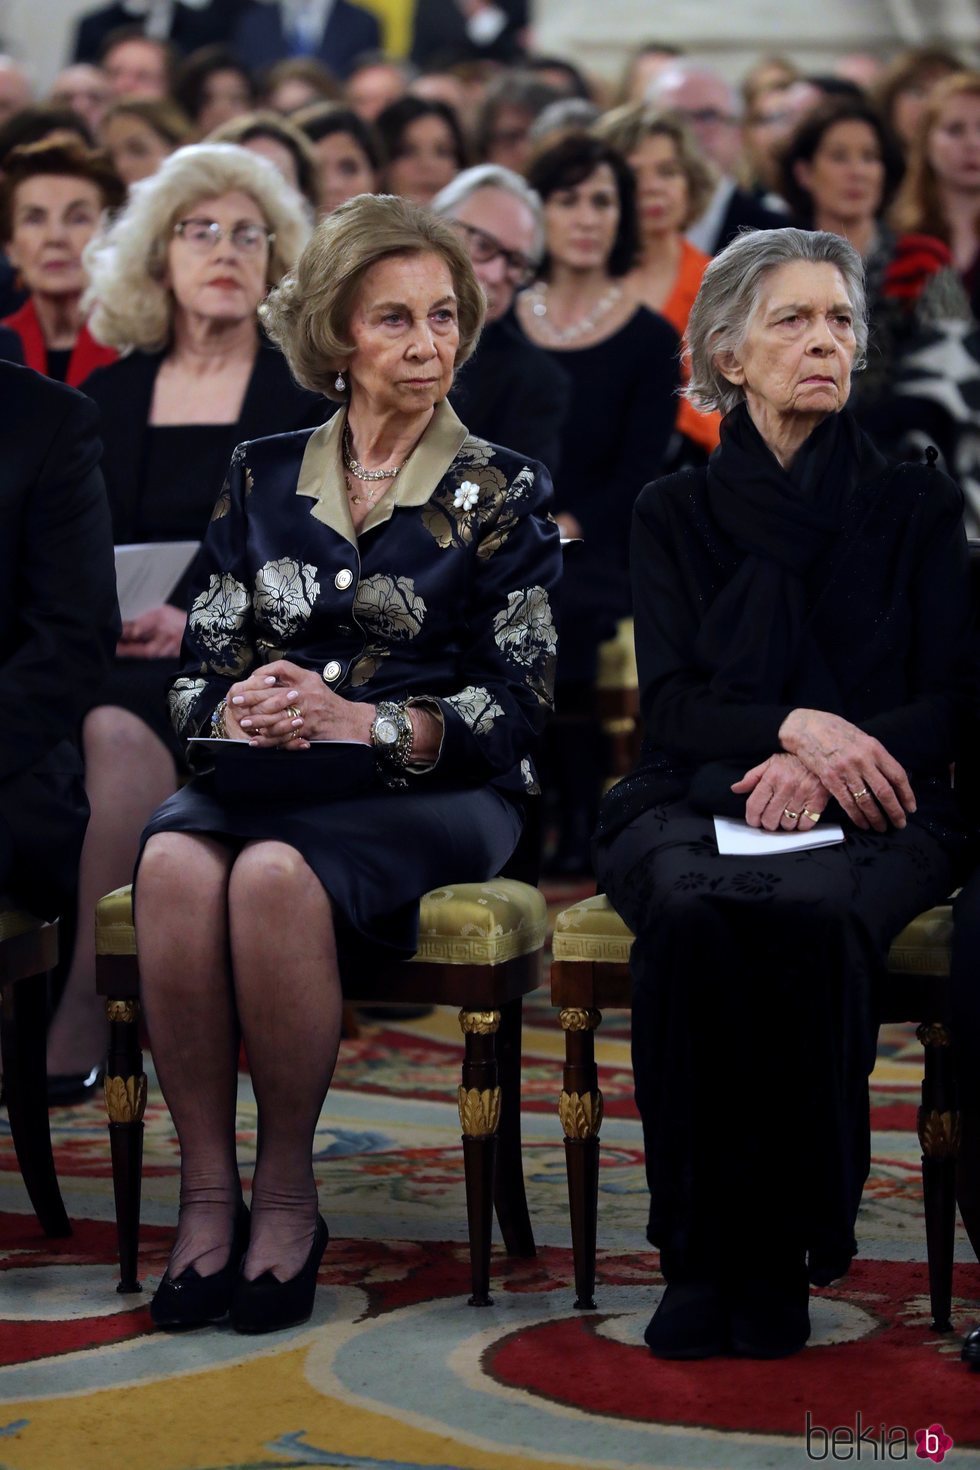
(803, 631)
(623, 364)
(385, 582)
(348, 151)
(840, 171)
(423, 145)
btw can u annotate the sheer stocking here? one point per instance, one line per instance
(128, 773)
(181, 921)
(287, 986)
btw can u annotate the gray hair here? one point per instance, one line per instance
(565, 115)
(129, 303)
(729, 296)
(492, 176)
(680, 69)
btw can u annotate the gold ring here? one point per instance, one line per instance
(793, 816)
(293, 734)
(814, 817)
(294, 711)
(860, 795)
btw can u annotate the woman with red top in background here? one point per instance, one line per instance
(674, 184)
(52, 195)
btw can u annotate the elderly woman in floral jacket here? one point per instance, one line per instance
(369, 658)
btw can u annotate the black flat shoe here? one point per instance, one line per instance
(770, 1315)
(190, 1300)
(690, 1322)
(268, 1304)
(67, 1088)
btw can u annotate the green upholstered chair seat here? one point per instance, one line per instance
(617, 660)
(592, 930)
(481, 923)
(15, 921)
(468, 924)
(114, 932)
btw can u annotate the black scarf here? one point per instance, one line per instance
(754, 641)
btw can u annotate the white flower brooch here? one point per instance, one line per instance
(466, 496)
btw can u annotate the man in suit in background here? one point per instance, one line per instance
(510, 392)
(333, 31)
(470, 30)
(712, 108)
(186, 24)
(58, 628)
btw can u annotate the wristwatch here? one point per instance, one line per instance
(392, 734)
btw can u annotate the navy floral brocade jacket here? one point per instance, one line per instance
(447, 593)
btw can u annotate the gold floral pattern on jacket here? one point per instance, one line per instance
(285, 591)
(181, 700)
(477, 707)
(389, 606)
(525, 633)
(218, 616)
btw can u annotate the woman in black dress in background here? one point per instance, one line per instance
(179, 278)
(622, 361)
(802, 635)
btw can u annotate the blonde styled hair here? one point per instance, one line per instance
(309, 313)
(129, 304)
(917, 207)
(626, 128)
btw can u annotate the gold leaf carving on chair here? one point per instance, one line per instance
(580, 1114)
(479, 1112)
(125, 1098)
(479, 1023)
(939, 1134)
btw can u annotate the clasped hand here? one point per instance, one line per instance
(262, 709)
(155, 634)
(826, 756)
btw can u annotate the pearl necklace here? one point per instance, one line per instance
(580, 328)
(358, 470)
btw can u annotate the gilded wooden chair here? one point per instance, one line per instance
(28, 953)
(590, 973)
(480, 948)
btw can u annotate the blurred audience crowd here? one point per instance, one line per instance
(175, 167)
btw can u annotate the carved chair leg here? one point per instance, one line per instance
(125, 1100)
(23, 1025)
(939, 1136)
(479, 1116)
(509, 1197)
(580, 1110)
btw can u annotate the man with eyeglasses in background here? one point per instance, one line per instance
(510, 392)
(712, 108)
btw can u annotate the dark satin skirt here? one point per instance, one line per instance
(754, 1029)
(375, 854)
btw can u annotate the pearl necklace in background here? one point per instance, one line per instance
(538, 296)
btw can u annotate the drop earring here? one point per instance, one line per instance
(340, 382)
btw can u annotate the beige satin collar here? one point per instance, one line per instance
(321, 474)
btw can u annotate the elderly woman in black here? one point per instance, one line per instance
(386, 581)
(802, 617)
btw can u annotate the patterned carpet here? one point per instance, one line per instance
(395, 1371)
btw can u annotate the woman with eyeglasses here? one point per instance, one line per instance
(177, 281)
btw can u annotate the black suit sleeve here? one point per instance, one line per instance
(66, 595)
(680, 712)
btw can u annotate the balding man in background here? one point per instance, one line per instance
(712, 108)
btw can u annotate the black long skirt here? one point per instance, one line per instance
(754, 1030)
(375, 854)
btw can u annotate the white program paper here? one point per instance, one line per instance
(738, 839)
(146, 574)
